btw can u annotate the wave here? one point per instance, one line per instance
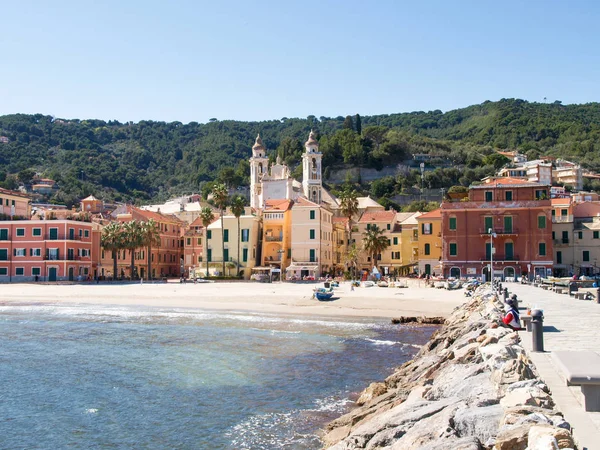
(384, 342)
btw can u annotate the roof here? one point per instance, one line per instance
(154, 215)
(258, 144)
(91, 198)
(505, 181)
(402, 216)
(340, 220)
(303, 201)
(277, 205)
(13, 193)
(311, 139)
(412, 220)
(365, 202)
(435, 214)
(377, 216)
(586, 209)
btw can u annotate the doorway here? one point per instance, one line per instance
(71, 274)
(52, 274)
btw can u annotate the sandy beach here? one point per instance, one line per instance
(275, 298)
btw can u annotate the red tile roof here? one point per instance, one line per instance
(586, 209)
(340, 220)
(301, 201)
(377, 216)
(435, 214)
(278, 205)
(158, 217)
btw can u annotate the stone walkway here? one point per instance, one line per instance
(569, 324)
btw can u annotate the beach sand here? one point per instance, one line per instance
(275, 298)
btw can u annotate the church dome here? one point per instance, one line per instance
(311, 140)
(258, 145)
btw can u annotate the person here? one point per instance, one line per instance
(511, 319)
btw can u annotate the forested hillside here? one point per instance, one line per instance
(152, 160)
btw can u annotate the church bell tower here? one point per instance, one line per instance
(311, 170)
(258, 167)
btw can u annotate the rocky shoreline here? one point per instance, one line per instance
(471, 387)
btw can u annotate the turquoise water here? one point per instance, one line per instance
(84, 376)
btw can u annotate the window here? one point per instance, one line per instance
(208, 234)
(226, 235)
(508, 196)
(20, 232)
(426, 228)
(596, 234)
(563, 212)
(453, 249)
(508, 225)
(19, 271)
(35, 252)
(3, 254)
(53, 234)
(580, 234)
(199, 241)
(289, 253)
(541, 222)
(188, 241)
(558, 257)
(509, 251)
(389, 226)
(427, 249)
(488, 223)
(245, 234)
(36, 232)
(586, 255)
(19, 252)
(312, 256)
(226, 254)
(3, 271)
(312, 214)
(80, 232)
(312, 234)
(4, 234)
(395, 241)
(86, 233)
(540, 194)
(542, 249)
(565, 237)
(553, 235)
(452, 223)
(489, 196)
(553, 212)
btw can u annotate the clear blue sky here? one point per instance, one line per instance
(193, 60)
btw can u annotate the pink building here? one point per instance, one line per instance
(45, 250)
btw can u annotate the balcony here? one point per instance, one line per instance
(503, 258)
(274, 238)
(499, 231)
(305, 261)
(64, 237)
(562, 219)
(269, 259)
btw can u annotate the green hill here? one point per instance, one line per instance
(153, 160)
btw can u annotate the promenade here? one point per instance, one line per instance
(569, 324)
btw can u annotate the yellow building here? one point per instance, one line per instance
(14, 204)
(409, 244)
(341, 262)
(312, 240)
(277, 234)
(430, 242)
(247, 245)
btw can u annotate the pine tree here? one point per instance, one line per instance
(348, 124)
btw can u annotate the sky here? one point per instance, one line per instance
(185, 61)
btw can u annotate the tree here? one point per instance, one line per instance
(358, 124)
(348, 125)
(238, 204)
(26, 175)
(132, 239)
(207, 216)
(150, 237)
(221, 199)
(351, 257)
(374, 242)
(112, 240)
(349, 206)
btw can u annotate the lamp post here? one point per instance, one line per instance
(492, 236)
(422, 165)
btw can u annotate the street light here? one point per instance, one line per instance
(492, 236)
(422, 165)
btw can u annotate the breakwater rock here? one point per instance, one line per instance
(471, 387)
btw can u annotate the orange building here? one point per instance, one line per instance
(14, 204)
(45, 250)
(518, 214)
(192, 244)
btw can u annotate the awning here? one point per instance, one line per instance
(261, 268)
(294, 268)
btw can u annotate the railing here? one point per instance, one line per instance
(303, 261)
(274, 238)
(499, 231)
(65, 258)
(273, 258)
(562, 219)
(64, 237)
(503, 258)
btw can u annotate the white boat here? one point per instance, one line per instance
(382, 283)
(368, 284)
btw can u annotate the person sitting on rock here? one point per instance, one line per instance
(511, 319)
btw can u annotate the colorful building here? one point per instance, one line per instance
(506, 223)
(14, 204)
(193, 250)
(45, 250)
(385, 221)
(409, 249)
(430, 242)
(277, 234)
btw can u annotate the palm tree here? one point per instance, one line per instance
(207, 216)
(221, 199)
(349, 206)
(374, 242)
(238, 207)
(132, 240)
(112, 240)
(150, 236)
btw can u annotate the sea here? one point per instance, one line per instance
(80, 376)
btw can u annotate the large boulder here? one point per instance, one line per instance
(483, 423)
(540, 435)
(374, 390)
(513, 438)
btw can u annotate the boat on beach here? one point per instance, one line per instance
(323, 293)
